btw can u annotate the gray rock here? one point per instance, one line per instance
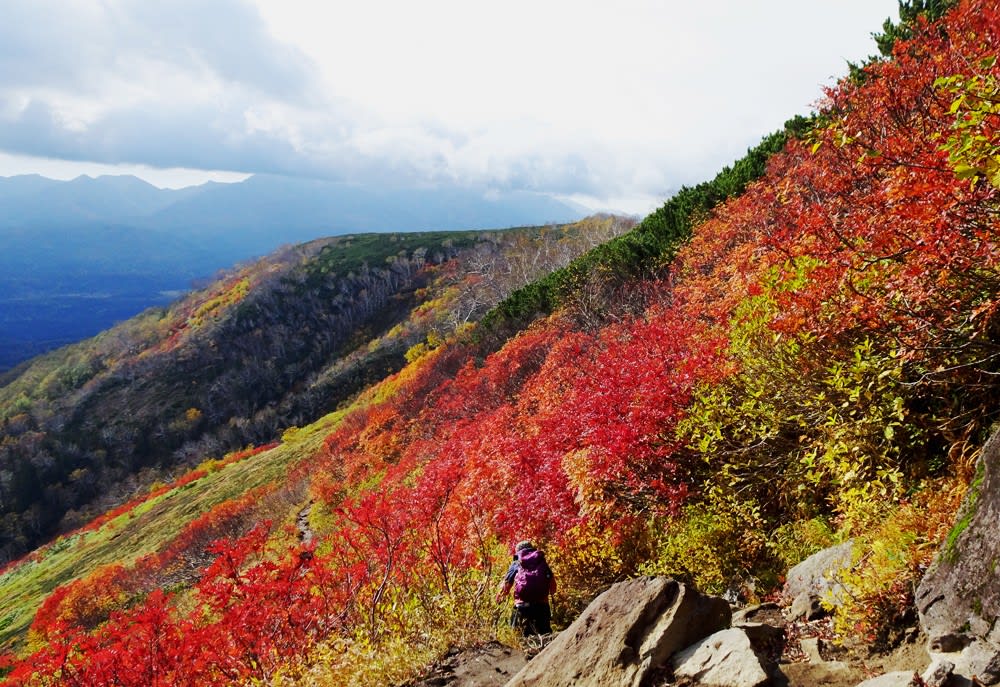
(806, 605)
(899, 678)
(767, 641)
(949, 643)
(959, 598)
(810, 647)
(980, 660)
(817, 578)
(625, 635)
(725, 659)
(750, 614)
(938, 673)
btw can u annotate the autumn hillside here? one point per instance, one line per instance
(803, 350)
(273, 344)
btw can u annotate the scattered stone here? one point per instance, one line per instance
(938, 673)
(899, 678)
(725, 659)
(813, 586)
(769, 612)
(626, 635)
(302, 524)
(808, 607)
(811, 648)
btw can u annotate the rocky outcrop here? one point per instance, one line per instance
(959, 598)
(817, 580)
(626, 636)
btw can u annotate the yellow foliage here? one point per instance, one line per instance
(595, 553)
(807, 427)
(890, 559)
(434, 338)
(214, 306)
(210, 465)
(416, 352)
(717, 546)
(187, 421)
(795, 541)
(414, 628)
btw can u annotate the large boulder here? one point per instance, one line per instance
(724, 659)
(817, 580)
(626, 636)
(959, 598)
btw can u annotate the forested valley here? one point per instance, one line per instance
(274, 344)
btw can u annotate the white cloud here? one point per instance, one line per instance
(624, 100)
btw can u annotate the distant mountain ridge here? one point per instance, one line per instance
(124, 243)
(279, 204)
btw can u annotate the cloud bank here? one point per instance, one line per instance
(599, 100)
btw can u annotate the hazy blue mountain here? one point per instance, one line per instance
(28, 201)
(249, 216)
(80, 255)
(26, 184)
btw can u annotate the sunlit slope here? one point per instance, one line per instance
(273, 344)
(816, 360)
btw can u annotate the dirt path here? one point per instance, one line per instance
(302, 524)
(489, 665)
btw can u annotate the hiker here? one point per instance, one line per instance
(532, 581)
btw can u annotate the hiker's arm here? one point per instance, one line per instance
(508, 581)
(552, 585)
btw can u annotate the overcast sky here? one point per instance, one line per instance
(614, 103)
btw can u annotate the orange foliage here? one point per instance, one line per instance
(563, 433)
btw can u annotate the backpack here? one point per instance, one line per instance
(531, 582)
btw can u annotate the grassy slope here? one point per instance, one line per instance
(143, 530)
(155, 523)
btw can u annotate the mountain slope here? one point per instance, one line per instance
(117, 243)
(275, 344)
(817, 362)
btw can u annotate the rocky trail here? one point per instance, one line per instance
(808, 657)
(658, 632)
